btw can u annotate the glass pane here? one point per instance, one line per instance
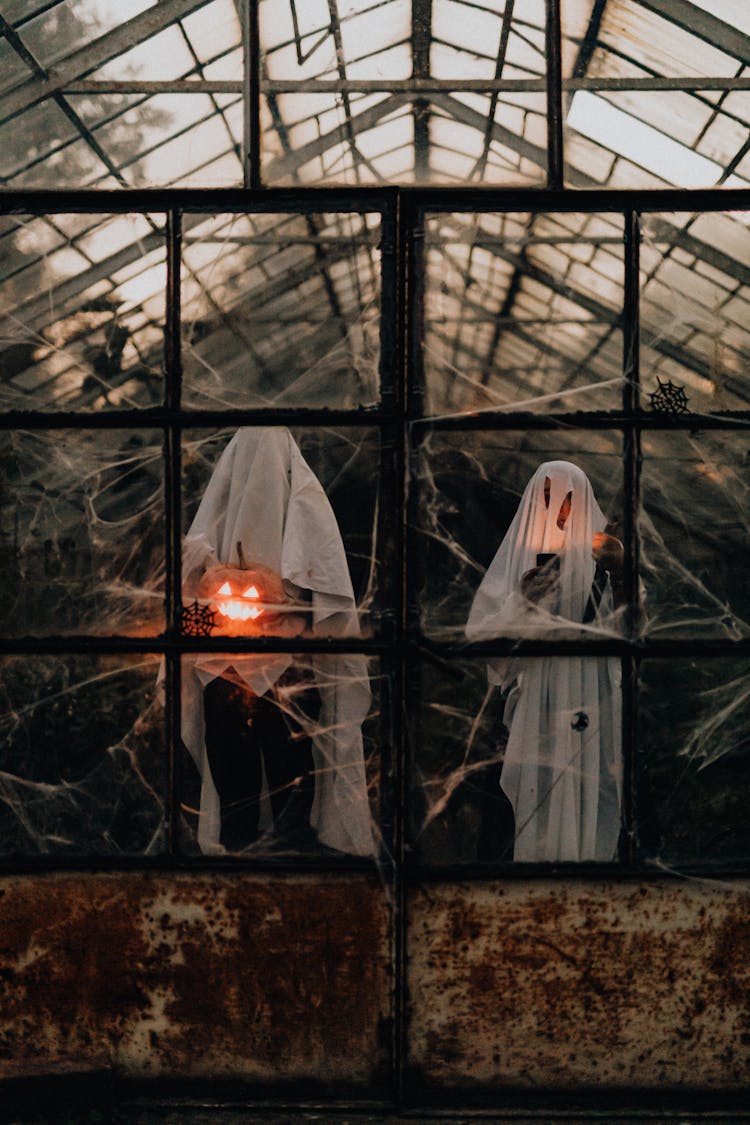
(694, 763)
(523, 312)
(73, 786)
(281, 532)
(58, 29)
(281, 310)
(694, 530)
(368, 93)
(82, 529)
(652, 96)
(82, 312)
(95, 129)
(695, 312)
(282, 755)
(185, 140)
(13, 69)
(518, 759)
(484, 521)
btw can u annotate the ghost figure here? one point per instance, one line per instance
(246, 714)
(562, 768)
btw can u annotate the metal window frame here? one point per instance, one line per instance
(401, 426)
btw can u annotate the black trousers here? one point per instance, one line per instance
(242, 730)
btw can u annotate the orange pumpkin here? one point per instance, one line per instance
(243, 597)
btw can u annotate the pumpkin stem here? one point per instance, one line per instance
(240, 556)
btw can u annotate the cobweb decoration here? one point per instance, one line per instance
(669, 398)
(83, 543)
(197, 620)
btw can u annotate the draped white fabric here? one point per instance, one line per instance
(562, 765)
(263, 495)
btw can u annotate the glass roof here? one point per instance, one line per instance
(100, 94)
(373, 91)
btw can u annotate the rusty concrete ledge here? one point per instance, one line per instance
(254, 977)
(579, 985)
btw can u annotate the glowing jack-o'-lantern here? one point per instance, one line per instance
(238, 608)
(248, 598)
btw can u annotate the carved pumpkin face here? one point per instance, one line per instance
(245, 598)
(238, 608)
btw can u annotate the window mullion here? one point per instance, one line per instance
(555, 154)
(172, 510)
(251, 94)
(631, 504)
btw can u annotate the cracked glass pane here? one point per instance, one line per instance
(82, 527)
(448, 92)
(281, 310)
(70, 786)
(82, 312)
(523, 312)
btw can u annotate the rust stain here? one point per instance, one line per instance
(570, 984)
(260, 977)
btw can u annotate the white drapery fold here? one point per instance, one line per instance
(562, 764)
(263, 495)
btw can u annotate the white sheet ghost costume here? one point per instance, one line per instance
(562, 766)
(263, 494)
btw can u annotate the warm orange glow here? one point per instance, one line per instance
(234, 605)
(238, 610)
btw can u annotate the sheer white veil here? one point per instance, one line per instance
(562, 765)
(264, 495)
(498, 606)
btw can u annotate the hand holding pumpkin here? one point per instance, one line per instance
(608, 551)
(249, 600)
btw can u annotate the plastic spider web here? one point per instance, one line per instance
(198, 620)
(669, 398)
(83, 538)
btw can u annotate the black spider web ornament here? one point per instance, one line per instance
(197, 620)
(669, 398)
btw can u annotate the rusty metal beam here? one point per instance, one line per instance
(421, 33)
(403, 85)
